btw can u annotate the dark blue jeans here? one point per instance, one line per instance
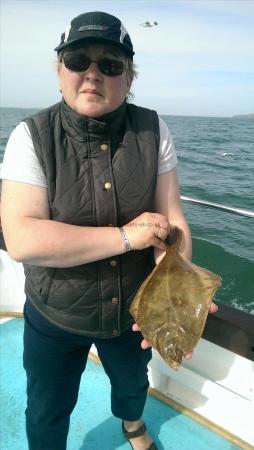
(54, 361)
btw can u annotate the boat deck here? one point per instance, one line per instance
(92, 425)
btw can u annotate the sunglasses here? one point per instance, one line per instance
(78, 62)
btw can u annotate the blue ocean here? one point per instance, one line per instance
(215, 163)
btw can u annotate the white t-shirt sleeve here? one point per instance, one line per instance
(167, 159)
(20, 161)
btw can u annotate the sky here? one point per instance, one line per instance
(198, 61)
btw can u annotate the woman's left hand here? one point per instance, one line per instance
(146, 344)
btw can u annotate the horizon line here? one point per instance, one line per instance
(160, 114)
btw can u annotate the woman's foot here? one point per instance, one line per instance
(142, 441)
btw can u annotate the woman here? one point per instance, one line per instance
(87, 211)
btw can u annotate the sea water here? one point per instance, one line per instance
(215, 163)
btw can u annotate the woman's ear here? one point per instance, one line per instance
(58, 73)
(129, 83)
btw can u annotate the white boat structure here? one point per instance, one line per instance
(215, 387)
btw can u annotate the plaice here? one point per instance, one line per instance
(172, 304)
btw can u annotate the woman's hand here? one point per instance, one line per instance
(146, 344)
(146, 230)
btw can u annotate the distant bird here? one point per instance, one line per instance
(148, 24)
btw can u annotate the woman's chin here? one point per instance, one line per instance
(91, 108)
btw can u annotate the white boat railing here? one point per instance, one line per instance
(230, 209)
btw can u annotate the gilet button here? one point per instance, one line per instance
(104, 147)
(115, 332)
(113, 263)
(107, 185)
(114, 300)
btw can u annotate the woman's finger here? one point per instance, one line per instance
(145, 344)
(135, 327)
(213, 308)
(159, 244)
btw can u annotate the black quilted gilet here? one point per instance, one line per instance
(99, 173)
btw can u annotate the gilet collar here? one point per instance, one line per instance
(83, 128)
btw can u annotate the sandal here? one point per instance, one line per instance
(139, 432)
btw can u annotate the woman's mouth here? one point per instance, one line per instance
(91, 91)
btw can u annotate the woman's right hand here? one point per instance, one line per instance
(146, 230)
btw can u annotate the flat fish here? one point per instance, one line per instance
(172, 304)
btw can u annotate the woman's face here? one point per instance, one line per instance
(91, 92)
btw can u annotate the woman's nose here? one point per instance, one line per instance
(93, 72)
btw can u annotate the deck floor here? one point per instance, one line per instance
(92, 425)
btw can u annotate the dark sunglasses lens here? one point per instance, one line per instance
(76, 62)
(111, 67)
(80, 62)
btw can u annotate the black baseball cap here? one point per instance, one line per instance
(97, 27)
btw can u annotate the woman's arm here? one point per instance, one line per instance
(32, 238)
(168, 203)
